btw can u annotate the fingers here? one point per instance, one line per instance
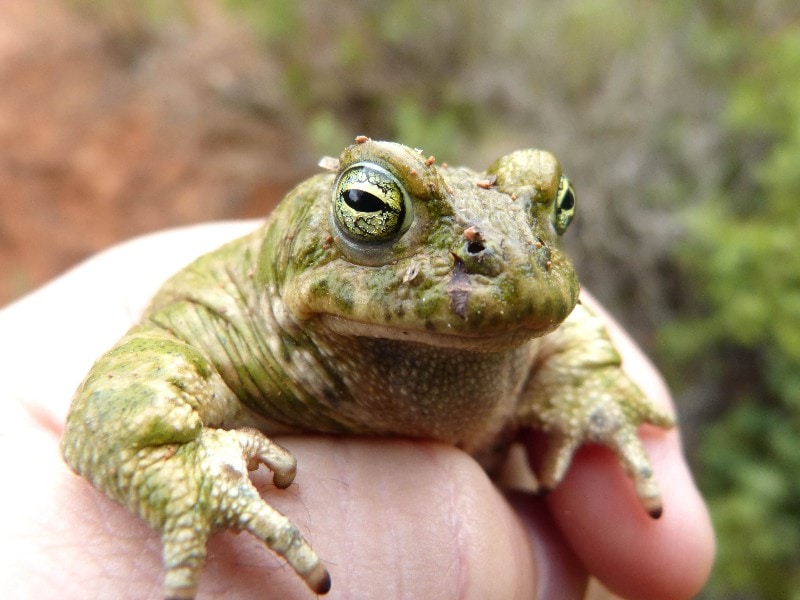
(388, 518)
(559, 573)
(409, 519)
(633, 555)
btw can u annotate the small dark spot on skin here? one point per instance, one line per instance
(320, 288)
(598, 419)
(430, 160)
(331, 397)
(548, 265)
(656, 513)
(475, 247)
(432, 187)
(360, 139)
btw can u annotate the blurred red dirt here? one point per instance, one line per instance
(109, 130)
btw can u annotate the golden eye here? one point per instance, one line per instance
(565, 205)
(370, 204)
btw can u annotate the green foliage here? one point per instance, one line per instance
(742, 254)
(750, 462)
(275, 19)
(356, 67)
(127, 16)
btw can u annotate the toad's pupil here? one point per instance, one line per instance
(363, 201)
(568, 202)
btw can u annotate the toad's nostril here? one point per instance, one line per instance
(475, 247)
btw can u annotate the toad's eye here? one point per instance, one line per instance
(370, 204)
(565, 205)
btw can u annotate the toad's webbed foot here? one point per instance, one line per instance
(606, 409)
(202, 487)
(187, 491)
(578, 393)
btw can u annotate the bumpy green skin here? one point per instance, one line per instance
(463, 327)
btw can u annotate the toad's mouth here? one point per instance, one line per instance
(478, 341)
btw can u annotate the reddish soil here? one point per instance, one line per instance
(109, 129)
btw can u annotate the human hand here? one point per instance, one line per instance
(389, 518)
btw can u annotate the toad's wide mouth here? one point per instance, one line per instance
(478, 341)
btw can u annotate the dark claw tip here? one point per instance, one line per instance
(323, 586)
(318, 579)
(655, 512)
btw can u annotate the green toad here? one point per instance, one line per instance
(387, 296)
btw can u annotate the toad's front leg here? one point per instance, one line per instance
(578, 393)
(144, 429)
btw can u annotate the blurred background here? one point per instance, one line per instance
(678, 122)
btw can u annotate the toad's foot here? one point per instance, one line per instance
(605, 407)
(190, 491)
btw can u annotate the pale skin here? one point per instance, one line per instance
(390, 518)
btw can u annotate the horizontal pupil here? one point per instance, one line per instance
(568, 202)
(363, 201)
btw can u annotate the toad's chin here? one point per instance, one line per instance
(478, 341)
